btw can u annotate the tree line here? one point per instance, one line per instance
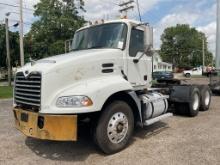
(183, 46)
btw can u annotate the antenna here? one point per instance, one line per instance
(138, 7)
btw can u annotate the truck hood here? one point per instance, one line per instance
(49, 64)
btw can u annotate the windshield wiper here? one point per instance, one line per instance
(95, 47)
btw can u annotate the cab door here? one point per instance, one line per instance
(139, 73)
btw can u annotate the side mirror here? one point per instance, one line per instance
(147, 51)
(149, 36)
(148, 43)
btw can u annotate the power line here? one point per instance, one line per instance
(126, 3)
(110, 2)
(14, 20)
(11, 5)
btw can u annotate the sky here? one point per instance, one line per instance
(161, 14)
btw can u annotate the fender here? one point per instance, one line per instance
(181, 93)
(97, 89)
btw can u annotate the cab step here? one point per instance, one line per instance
(156, 119)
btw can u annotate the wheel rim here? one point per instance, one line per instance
(117, 127)
(207, 98)
(196, 102)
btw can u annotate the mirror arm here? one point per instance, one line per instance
(137, 60)
(147, 50)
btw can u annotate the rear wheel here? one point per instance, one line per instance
(190, 108)
(205, 98)
(195, 103)
(114, 128)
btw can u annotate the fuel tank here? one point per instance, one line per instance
(154, 105)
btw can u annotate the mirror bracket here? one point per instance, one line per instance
(146, 52)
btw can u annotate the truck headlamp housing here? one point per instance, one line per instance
(74, 101)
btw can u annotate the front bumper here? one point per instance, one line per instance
(49, 127)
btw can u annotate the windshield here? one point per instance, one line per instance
(112, 35)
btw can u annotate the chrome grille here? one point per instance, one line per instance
(27, 92)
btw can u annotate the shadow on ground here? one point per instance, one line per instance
(64, 151)
(149, 131)
(82, 149)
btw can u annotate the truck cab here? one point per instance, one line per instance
(105, 78)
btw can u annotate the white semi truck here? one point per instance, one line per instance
(105, 81)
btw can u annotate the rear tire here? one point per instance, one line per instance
(190, 108)
(194, 103)
(181, 108)
(205, 98)
(114, 127)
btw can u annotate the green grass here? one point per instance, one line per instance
(6, 92)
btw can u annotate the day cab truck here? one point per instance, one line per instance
(104, 81)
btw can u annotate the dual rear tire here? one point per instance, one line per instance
(200, 99)
(205, 98)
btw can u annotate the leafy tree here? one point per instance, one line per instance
(14, 47)
(182, 46)
(58, 20)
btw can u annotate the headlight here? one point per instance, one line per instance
(74, 101)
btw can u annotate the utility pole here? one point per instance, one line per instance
(217, 60)
(203, 52)
(125, 7)
(21, 34)
(8, 52)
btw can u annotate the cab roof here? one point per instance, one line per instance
(127, 21)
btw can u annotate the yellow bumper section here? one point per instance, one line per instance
(50, 127)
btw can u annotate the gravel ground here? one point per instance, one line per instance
(177, 140)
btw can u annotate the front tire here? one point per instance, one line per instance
(188, 75)
(114, 128)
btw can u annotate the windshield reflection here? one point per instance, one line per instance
(111, 35)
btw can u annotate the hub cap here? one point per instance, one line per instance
(117, 127)
(207, 98)
(196, 102)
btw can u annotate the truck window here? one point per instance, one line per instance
(136, 42)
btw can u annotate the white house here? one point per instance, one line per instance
(159, 65)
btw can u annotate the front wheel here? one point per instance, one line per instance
(188, 75)
(114, 128)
